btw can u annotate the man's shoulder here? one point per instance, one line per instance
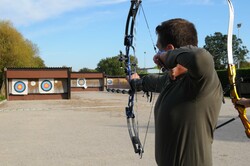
(187, 49)
(192, 48)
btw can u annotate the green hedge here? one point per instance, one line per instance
(242, 81)
(1, 79)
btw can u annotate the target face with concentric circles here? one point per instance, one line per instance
(109, 81)
(81, 81)
(46, 85)
(19, 86)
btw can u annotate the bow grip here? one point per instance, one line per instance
(244, 120)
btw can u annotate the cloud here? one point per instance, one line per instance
(199, 2)
(25, 12)
(187, 2)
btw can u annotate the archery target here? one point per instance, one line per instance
(81, 82)
(109, 81)
(46, 85)
(19, 87)
(33, 83)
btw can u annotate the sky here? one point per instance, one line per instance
(79, 33)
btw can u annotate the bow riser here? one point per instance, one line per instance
(232, 72)
(235, 97)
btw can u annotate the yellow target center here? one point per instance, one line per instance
(46, 85)
(19, 87)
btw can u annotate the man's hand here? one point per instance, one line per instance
(244, 102)
(133, 76)
(157, 60)
(135, 83)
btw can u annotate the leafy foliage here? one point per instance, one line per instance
(110, 66)
(87, 70)
(217, 45)
(113, 67)
(15, 50)
(2, 97)
(244, 65)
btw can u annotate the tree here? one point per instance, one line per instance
(243, 65)
(113, 67)
(15, 50)
(85, 69)
(217, 46)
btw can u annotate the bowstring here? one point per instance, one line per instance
(149, 31)
(136, 96)
(154, 96)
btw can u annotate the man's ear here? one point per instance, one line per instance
(169, 47)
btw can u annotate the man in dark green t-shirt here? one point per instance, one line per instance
(190, 98)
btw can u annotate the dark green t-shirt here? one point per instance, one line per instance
(187, 109)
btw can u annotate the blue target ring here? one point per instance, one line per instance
(46, 85)
(19, 86)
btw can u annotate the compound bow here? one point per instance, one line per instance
(128, 42)
(232, 73)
